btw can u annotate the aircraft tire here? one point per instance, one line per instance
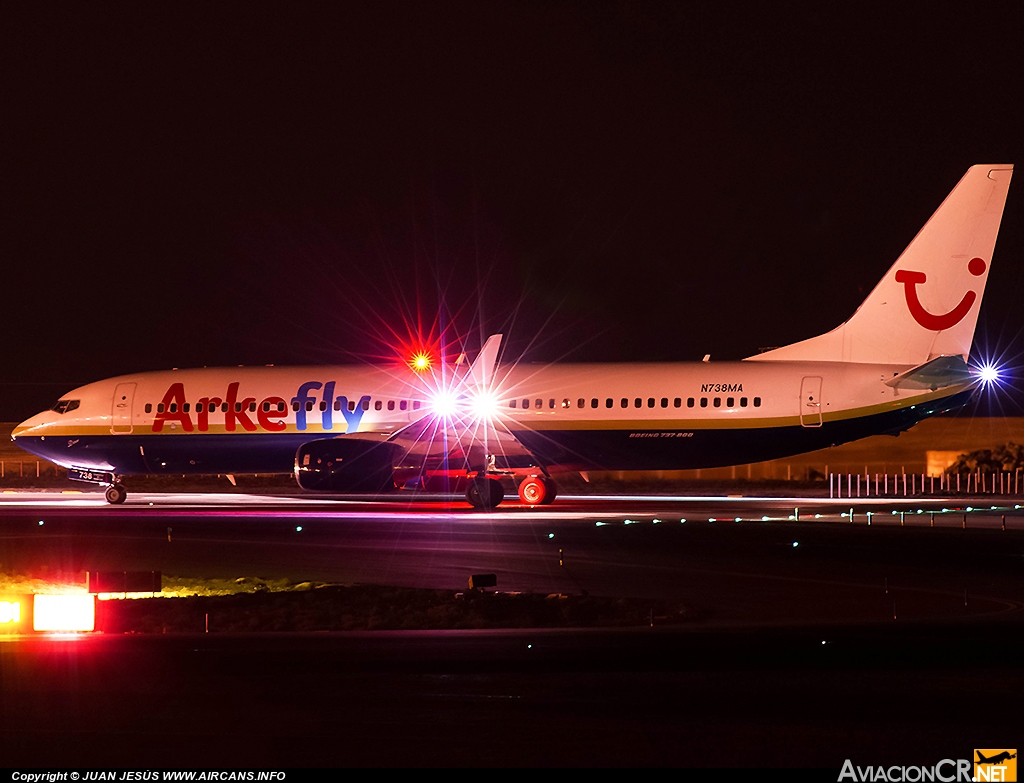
(116, 494)
(485, 494)
(549, 498)
(537, 491)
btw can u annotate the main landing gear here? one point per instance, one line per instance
(485, 492)
(537, 490)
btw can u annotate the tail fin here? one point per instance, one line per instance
(927, 304)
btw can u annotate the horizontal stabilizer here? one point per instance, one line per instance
(936, 374)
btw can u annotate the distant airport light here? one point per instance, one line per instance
(10, 612)
(64, 613)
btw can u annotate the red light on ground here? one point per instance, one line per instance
(64, 613)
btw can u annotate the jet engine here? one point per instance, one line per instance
(343, 465)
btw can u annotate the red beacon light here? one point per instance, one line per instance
(420, 362)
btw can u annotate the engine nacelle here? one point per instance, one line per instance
(340, 465)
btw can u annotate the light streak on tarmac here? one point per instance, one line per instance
(602, 509)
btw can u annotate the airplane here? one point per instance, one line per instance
(902, 356)
(1004, 756)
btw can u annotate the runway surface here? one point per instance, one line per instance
(812, 640)
(736, 560)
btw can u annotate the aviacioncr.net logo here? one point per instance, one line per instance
(995, 764)
(945, 771)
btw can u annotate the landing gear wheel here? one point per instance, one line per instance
(116, 494)
(537, 491)
(485, 494)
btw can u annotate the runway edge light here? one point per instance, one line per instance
(63, 613)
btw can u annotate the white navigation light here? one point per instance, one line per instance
(988, 373)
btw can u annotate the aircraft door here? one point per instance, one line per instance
(810, 401)
(121, 412)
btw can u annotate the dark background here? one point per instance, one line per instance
(186, 185)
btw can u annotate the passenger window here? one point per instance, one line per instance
(224, 407)
(689, 402)
(391, 405)
(718, 402)
(160, 408)
(266, 406)
(186, 407)
(402, 405)
(366, 405)
(565, 403)
(593, 402)
(677, 402)
(309, 405)
(512, 403)
(581, 403)
(703, 402)
(540, 404)
(637, 402)
(757, 402)
(323, 405)
(174, 407)
(730, 402)
(608, 402)
(664, 402)
(377, 405)
(526, 404)
(551, 403)
(624, 403)
(743, 402)
(149, 407)
(280, 407)
(650, 402)
(351, 405)
(416, 405)
(295, 406)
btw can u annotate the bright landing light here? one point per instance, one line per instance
(483, 405)
(443, 404)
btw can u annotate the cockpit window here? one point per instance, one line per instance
(65, 406)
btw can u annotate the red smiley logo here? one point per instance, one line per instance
(928, 320)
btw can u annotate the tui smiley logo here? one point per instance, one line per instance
(929, 320)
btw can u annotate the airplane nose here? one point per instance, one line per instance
(26, 428)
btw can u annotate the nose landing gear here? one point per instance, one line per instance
(116, 494)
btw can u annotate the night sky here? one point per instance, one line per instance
(186, 185)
